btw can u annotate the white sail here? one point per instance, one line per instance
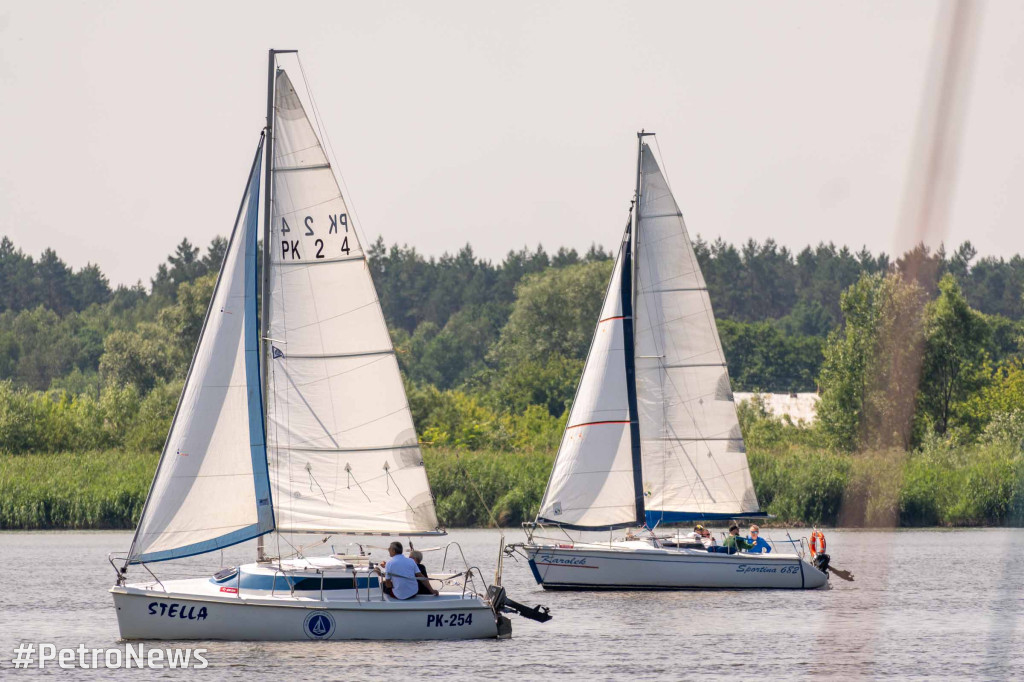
(210, 489)
(694, 460)
(592, 482)
(342, 447)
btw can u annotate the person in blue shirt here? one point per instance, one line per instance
(760, 545)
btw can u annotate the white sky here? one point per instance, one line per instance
(128, 125)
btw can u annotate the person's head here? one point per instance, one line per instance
(416, 556)
(395, 548)
(754, 530)
(734, 529)
(701, 531)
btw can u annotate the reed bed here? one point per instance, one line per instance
(943, 486)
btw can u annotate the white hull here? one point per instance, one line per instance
(250, 607)
(629, 566)
(145, 614)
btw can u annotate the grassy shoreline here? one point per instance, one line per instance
(962, 487)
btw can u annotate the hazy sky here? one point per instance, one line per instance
(127, 126)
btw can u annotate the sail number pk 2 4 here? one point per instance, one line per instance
(324, 245)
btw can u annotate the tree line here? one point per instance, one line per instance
(918, 361)
(502, 344)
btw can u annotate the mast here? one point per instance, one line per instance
(267, 201)
(628, 333)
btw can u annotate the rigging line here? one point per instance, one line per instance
(278, 399)
(391, 479)
(663, 377)
(332, 317)
(702, 438)
(277, 451)
(348, 472)
(303, 209)
(351, 428)
(327, 377)
(335, 167)
(709, 314)
(664, 174)
(658, 347)
(312, 480)
(323, 349)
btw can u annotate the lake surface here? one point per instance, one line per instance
(932, 603)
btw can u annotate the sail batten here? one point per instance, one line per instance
(694, 461)
(343, 452)
(675, 444)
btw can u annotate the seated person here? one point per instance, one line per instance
(400, 571)
(424, 583)
(704, 535)
(759, 544)
(733, 542)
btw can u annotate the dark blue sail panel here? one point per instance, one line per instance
(210, 491)
(253, 376)
(656, 518)
(627, 337)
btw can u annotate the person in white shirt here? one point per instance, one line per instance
(400, 574)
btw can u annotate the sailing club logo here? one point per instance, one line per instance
(319, 625)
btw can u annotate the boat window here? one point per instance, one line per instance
(224, 575)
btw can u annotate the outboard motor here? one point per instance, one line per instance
(501, 602)
(820, 562)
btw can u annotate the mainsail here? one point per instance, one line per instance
(676, 453)
(694, 461)
(342, 447)
(215, 449)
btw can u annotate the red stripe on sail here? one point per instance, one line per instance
(576, 426)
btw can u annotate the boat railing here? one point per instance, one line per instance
(795, 544)
(273, 582)
(117, 571)
(470, 584)
(444, 559)
(121, 572)
(162, 587)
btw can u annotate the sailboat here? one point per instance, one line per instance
(294, 421)
(652, 437)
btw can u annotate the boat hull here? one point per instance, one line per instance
(147, 614)
(590, 568)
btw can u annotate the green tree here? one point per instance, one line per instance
(955, 358)
(872, 365)
(555, 313)
(140, 358)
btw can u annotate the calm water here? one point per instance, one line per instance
(938, 604)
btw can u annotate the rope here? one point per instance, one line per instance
(329, 149)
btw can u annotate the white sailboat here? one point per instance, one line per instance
(652, 436)
(301, 427)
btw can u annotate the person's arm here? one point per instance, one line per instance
(426, 581)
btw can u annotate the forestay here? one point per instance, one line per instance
(215, 448)
(342, 447)
(592, 482)
(694, 460)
